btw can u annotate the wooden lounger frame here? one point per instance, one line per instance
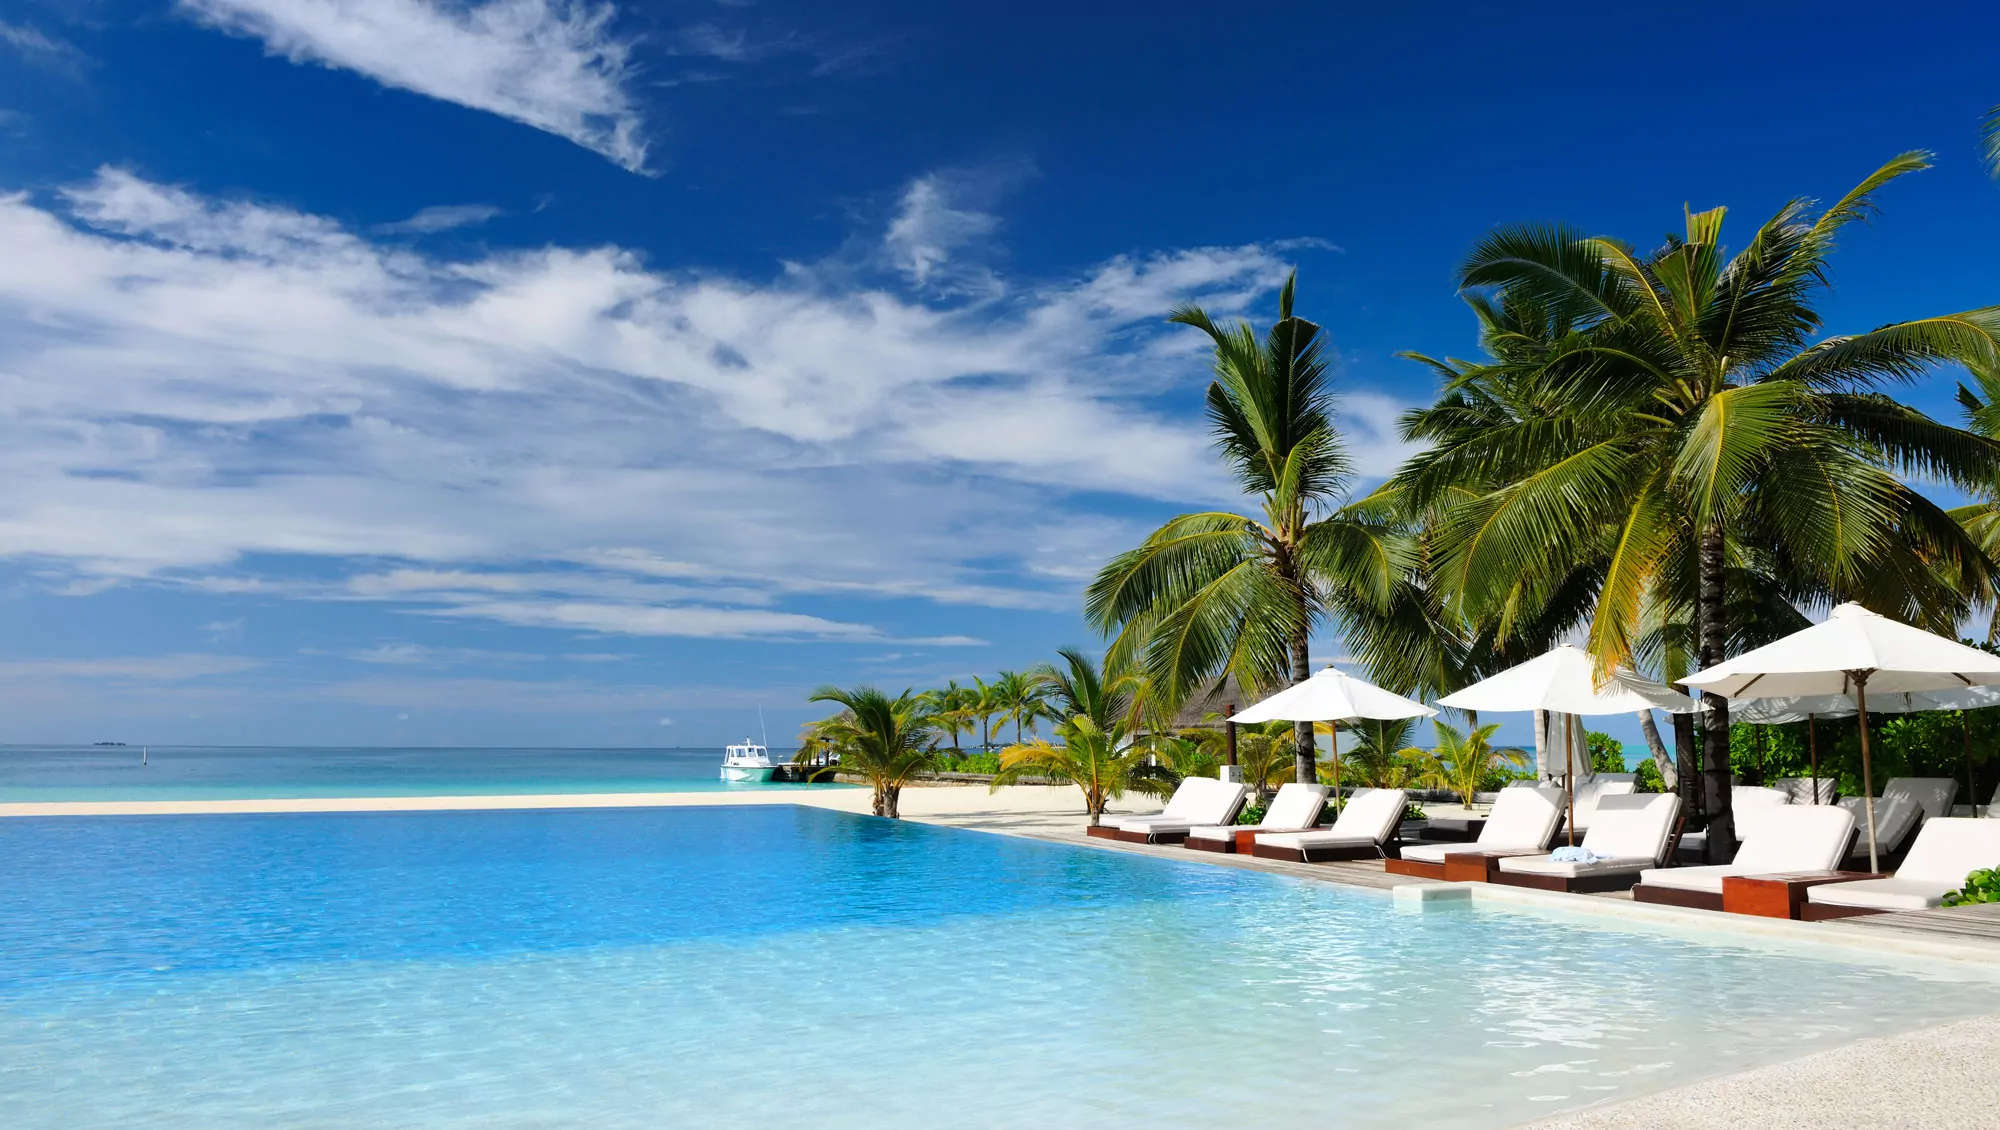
(1675, 896)
(1568, 884)
(1107, 832)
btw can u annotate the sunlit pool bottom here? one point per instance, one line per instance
(779, 966)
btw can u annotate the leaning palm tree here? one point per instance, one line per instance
(1097, 716)
(1989, 138)
(1702, 432)
(1219, 592)
(887, 740)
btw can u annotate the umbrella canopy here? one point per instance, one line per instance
(1852, 652)
(1826, 659)
(1333, 696)
(1773, 711)
(1561, 681)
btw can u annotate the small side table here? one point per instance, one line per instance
(1781, 895)
(1472, 866)
(1246, 840)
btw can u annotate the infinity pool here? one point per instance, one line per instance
(776, 966)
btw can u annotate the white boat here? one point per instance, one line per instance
(747, 762)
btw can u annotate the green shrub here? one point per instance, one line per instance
(1980, 886)
(1252, 813)
(1646, 778)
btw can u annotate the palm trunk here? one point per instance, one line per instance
(892, 797)
(1661, 760)
(1306, 751)
(1711, 632)
(1541, 722)
(881, 799)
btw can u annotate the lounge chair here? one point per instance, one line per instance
(1747, 804)
(1631, 833)
(1208, 802)
(1896, 819)
(1296, 808)
(1947, 850)
(1597, 788)
(1934, 795)
(1801, 789)
(1522, 822)
(1367, 822)
(1793, 837)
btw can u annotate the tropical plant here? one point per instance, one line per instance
(1989, 140)
(1687, 433)
(1019, 699)
(887, 740)
(1264, 756)
(1377, 759)
(952, 709)
(1096, 712)
(1463, 760)
(1220, 592)
(1980, 886)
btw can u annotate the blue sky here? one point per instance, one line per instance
(541, 373)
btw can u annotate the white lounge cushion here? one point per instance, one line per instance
(1522, 818)
(1882, 894)
(1895, 818)
(1196, 802)
(1435, 853)
(1591, 792)
(1801, 789)
(1947, 850)
(1178, 805)
(1749, 803)
(1296, 807)
(1794, 837)
(1369, 818)
(1543, 865)
(1933, 794)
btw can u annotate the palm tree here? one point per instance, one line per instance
(1097, 715)
(1220, 592)
(1264, 756)
(1463, 759)
(1989, 137)
(952, 709)
(887, 740)
(1699, 435)
(1019, 699)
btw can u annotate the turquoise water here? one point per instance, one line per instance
(775, 965)
(52, 773)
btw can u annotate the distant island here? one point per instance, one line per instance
(107, 743)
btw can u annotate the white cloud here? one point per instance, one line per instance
(442, 217)
(150, 668)
(568, 437)
(551, 64)
(418, 655)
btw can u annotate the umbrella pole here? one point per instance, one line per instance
(1569, 773)
(1867, 778)
(1812, 750)
(1971, 782)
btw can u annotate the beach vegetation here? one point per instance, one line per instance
(1980, 887)
(1220, 592)
(1465, 761)
(1097, 723)
(887, 741)
(1694, 462)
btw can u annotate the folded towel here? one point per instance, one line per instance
(1574, 855)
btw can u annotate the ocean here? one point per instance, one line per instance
(56, 773)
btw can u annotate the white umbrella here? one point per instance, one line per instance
(1807, 708)
(1333, 695)
(1850, 652)
(1563, 681)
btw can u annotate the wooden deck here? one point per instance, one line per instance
(1982, 922)
(1357, 873)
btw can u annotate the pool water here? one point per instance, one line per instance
(777, 965)
(63, 773)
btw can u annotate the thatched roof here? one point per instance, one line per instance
(1214, 698)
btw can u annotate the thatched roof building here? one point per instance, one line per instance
(1213, 699)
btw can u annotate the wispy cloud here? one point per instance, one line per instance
(150, 668)
(442, 217)
(570, 438)
(555, 65)
(42, 49)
